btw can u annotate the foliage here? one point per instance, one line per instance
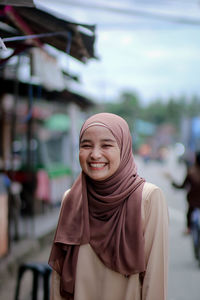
(158, 112)
(127, 106)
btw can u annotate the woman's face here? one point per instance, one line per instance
(99, 153)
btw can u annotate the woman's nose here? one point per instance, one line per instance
(95, 153)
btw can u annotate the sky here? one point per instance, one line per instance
(156, 57)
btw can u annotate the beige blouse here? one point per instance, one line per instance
(94, 281)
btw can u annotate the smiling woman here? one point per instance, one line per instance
(99, 153)
(111, 241)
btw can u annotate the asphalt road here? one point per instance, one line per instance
(184, 273)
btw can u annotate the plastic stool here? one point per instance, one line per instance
(39, 270)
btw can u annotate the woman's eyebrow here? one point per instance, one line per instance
(85, 141)
(108, 140)
(102, 140)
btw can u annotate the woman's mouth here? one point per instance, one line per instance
(97, 166)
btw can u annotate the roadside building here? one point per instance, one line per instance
(36, 160)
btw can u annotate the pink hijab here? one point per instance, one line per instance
(106, 214)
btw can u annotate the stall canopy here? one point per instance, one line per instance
(7, 86)
(25, 26)
(28, 3)
(58, 122)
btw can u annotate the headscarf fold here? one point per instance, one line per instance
(106, 214)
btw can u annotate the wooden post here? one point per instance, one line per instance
(73, 113)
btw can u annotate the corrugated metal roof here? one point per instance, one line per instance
(28, 21)
(27, 3)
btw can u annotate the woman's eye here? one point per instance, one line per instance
(106, 146)
(85, 146)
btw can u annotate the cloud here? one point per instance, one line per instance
(153, 57)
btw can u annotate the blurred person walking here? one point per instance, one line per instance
(191, 184)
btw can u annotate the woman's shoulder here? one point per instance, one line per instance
(149, 188)
(154, 203)
(152, 194)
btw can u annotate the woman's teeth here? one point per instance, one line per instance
(99, 165)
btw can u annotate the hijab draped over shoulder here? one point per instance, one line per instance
(106, 214)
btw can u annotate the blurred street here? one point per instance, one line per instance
(63, 61)
(184, 274)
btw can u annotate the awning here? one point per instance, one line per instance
(58, 122)
(27, 3)
(64, 35)
(66, 96)
(72, 97)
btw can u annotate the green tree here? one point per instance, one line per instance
(154, 112)
(127, 106)
(158, 112)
